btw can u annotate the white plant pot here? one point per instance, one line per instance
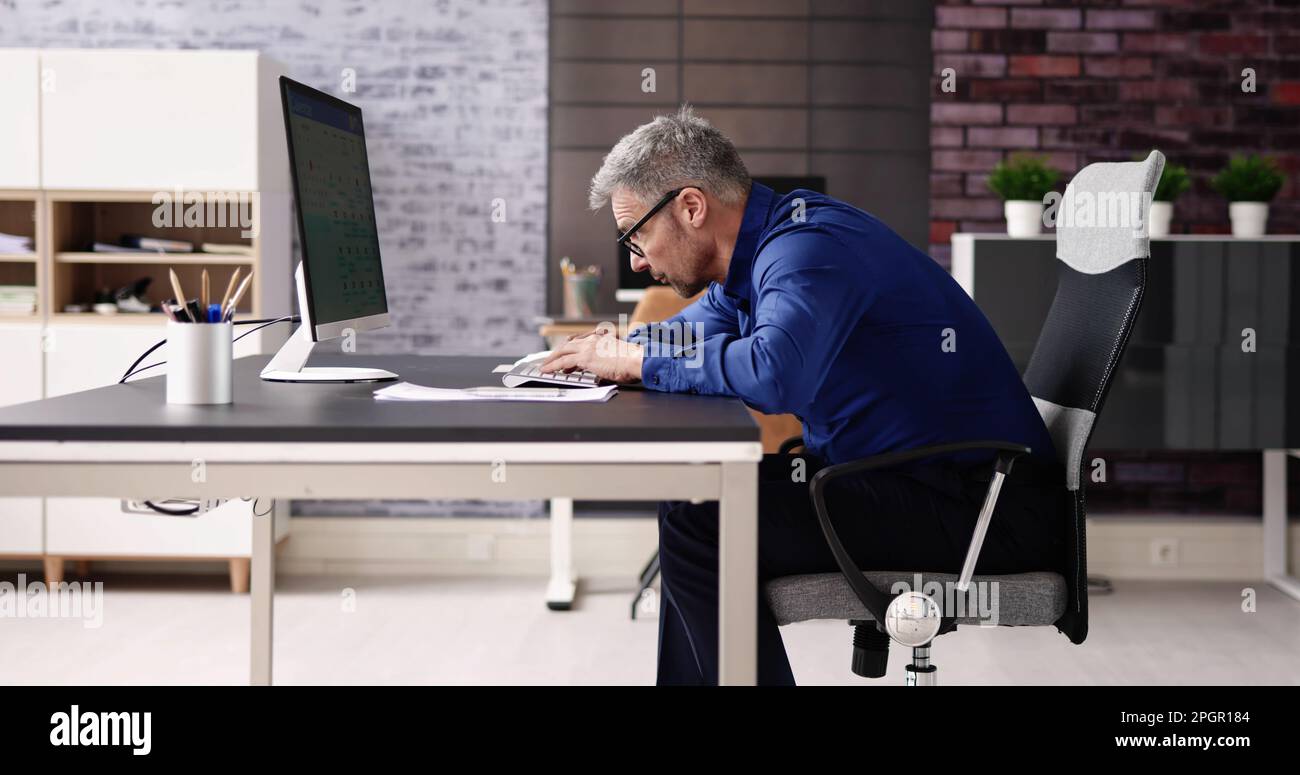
(1158, 221)
(1249, 219)
(1024, 218)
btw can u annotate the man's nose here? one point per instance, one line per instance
(639, 264)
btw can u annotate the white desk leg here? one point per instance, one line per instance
(1276, 535)
(262, 595)
(738, 575)
(563, 585)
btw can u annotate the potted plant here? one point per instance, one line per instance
(1172, 184)
(1249, 183)
(1022, 180)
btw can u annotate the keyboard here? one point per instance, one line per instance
(529, 372)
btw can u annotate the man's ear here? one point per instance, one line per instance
(693, 207)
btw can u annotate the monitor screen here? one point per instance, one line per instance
(336, 212)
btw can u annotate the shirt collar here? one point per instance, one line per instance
(752, 225)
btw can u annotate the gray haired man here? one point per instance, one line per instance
(817, 309)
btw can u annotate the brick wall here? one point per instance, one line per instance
(1100, 81)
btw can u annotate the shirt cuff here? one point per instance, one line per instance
(670, 375)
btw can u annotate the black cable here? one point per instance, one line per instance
(132, 371)
(190, 512)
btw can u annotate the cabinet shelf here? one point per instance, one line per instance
(187, 259)
(121, 318)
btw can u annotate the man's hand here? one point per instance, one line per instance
(601, 352)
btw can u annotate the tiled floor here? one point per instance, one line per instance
(180, 630)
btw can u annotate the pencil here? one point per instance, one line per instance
(205, 290)
(180, 294)
(239, 294)
(230, 288)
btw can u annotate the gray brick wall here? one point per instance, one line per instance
(454, 93)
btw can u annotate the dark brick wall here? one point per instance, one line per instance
(1100, 81)
(834, 88)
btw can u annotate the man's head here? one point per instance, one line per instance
(683, 243)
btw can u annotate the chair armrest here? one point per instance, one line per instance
(873, 599)
(789, 444)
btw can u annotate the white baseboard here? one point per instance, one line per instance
(1204, 549)
(1120, 548)
(462, 547)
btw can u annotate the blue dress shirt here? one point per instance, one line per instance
(829, 315)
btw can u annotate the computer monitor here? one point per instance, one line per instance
(632, 285)
(340, 279)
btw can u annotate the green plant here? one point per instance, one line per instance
(1023, 177)
(1173, 182)
(1249, 179)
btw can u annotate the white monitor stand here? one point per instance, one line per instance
(289, 364)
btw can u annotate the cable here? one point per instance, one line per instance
(191, 511)
(132, 371)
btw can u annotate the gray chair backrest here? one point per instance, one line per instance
(1103, 247)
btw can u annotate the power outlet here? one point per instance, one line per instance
(1164, 551)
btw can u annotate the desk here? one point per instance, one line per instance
(335, 441)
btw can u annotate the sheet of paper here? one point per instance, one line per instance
(406, 391)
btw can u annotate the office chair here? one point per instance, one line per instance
(1102, 274)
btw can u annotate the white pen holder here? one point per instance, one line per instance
(200, 357)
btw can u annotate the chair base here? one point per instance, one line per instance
(921, 672)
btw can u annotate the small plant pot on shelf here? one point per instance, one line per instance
(1162, 214)
(1249, 219)
(1024, 218)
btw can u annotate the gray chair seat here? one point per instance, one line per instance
(1036, 598)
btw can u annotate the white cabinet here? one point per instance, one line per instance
(91, 355)
(21, 531)
(22, 377)
(88, 138)
(20, 518)
(98, 528)
(150, 120)
(20, 128)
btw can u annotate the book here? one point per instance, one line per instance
(232, 249)
(157, 244)
(108, 247)
(15, 243)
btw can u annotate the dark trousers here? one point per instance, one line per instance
(919, 520)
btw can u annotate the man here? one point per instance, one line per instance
(818, 309)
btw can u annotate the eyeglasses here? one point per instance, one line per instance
(664, 200)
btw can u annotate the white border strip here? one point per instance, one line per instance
(379, 452)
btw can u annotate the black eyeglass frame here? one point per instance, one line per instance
(663, 201)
